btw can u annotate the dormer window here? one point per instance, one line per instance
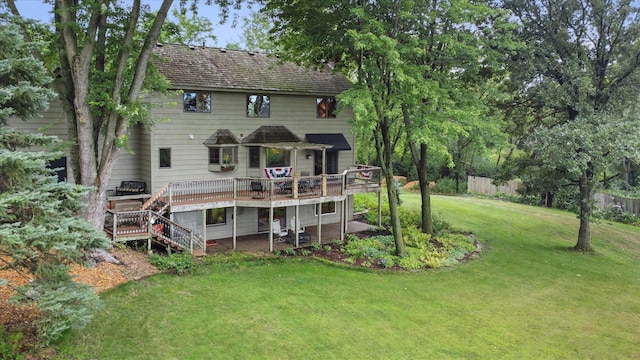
(258, 105)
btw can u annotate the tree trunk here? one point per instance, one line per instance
(419, 158)
(95, 150)
(425, 192)
(384, 150)
(586, 198)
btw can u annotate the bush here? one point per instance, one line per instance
(63, 305)
(448, 186)
(10, 344)
(180, 263)
(612, 213)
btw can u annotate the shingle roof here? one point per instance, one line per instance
(189, 67)
(271, 134)
(221, 137)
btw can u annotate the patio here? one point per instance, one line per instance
(260, 242)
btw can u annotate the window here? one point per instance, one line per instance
(224, 156)
(258, 105)
(277, 157)
(326, 107)
(254, 157)
(216, 216)
(327, 208)
(165, 157)
(197, 101)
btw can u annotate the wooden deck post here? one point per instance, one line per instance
(114, 235)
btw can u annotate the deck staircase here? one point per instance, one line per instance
(152, 226)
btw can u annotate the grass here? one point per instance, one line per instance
(526, 297)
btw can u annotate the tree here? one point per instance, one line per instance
(359, 39)
(40, 232)
(464, 43)
(194, 30)
(255, 34)
(417, 67)
(580, 149)
(579, 62)
(102, 71)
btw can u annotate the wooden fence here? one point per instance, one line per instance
(483, 185)
(604, 201)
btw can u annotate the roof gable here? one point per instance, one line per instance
(191, 67)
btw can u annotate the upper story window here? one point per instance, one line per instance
(258, 105)
(326, 107)
(197, 101)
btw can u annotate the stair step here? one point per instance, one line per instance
(198, 253)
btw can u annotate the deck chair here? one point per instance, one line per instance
(303, 237)
(257, 189)
(292, 226)
(280, 234)
(306, 183)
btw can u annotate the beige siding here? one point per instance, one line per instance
(52, 122)
(185, 133)
(247, 220)
(130, 163)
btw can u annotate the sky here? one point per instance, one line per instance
(38, 10)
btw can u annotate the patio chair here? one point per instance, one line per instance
(257, 190)
(280, 234)
(292, 226)
(303, 236)
(306, 184)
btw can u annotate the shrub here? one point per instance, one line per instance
(612, 213)
(413, 236)
(410, 263)
(63, 304)
(10, 344)
(448, 186)
(440, 225)
(457, 242)
(180, 263)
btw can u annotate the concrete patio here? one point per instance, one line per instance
(260, 242)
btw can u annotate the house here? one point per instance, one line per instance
(248, 140)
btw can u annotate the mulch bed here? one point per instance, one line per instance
(134, 265)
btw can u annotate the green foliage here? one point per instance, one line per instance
(305, 252)
(10, 344)
(423, 251)
(41, 230)
(372, 247)
(612, 213)
(179, 263)
(24, 91)
(448, 186)
(63, 304)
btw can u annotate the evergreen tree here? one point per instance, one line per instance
(41, 231)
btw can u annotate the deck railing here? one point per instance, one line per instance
(184, 192)
(146, 223)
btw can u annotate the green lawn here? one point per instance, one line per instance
(527, 296)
